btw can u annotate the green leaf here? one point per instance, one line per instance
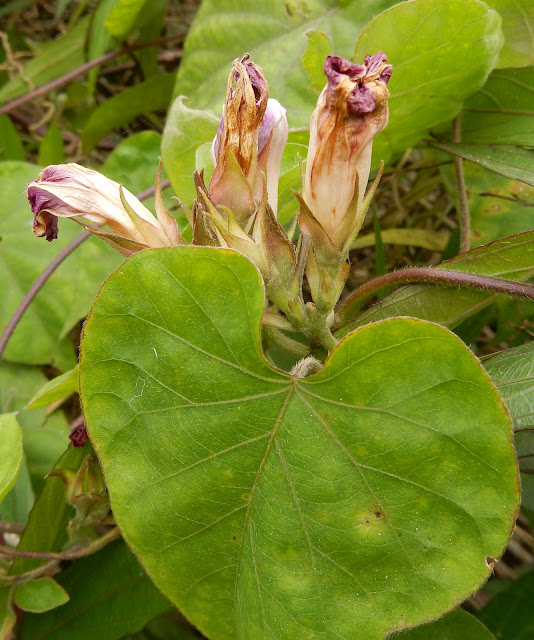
(10, 143)
(152, 95)
(512, 162)
(512, 372)
(134, 162)
(53, 60)
(509, 614)
(18, 503)
(41, 594)
(518, 27)
(510, 258)
(42, 335)
(352, 503)
(46, 529)
(123, 16)
(501, 113)
(110, 597)
(10, 451)
(424, 40)
(498, 206)
(55, 389)
(457, 625)
(51, 149)
(185, 130)
(274, 35)
(319, 47)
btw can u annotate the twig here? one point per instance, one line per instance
(38, 284)
(93, 547)
(465, 220)
(58, 82)
(11, 527)
(354, 301)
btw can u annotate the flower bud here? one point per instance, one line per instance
(250, 140)
(350, 111)
(72, 191)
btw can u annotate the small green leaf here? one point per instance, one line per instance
(51, 150)
(518, 27)
(350, 504)
(111, 596)
(319, 47)
(53, 60)
(457, 625)
(509, 614)
(55, 389)
(152, 95)
(424, 40)
(185, 130)
(10, 143)
(123, 16)
(41, 594)
(10, 451)
(501, 113)
(510, 258)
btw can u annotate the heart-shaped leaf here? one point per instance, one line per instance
(368, 498)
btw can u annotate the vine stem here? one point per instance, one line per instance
(354, 301)
(465, 220)
(58, 82)
(49, 270)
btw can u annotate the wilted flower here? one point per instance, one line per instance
(72, 191)
(351, 110)
(250, 140)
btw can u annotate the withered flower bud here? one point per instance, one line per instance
(72, 191)
(250, 140)
(351, 110)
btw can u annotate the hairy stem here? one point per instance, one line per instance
(353, 302)
(41, 280)
(465, 220)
